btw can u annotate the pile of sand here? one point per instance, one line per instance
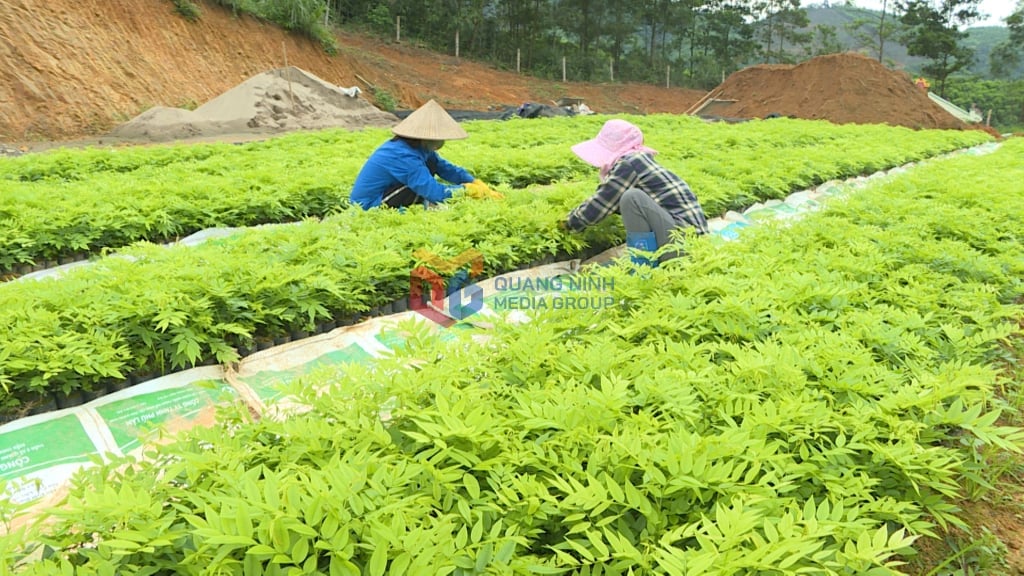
(273, 102)
(842, 88)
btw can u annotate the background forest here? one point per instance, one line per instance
(688, 43)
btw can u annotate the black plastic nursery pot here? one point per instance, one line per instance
(69, 400)
(39, 404)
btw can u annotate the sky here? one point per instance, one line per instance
(996, 10)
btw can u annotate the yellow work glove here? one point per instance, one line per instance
(478, 190)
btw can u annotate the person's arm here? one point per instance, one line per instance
(605, 200)
(412, 171)
(450, 172)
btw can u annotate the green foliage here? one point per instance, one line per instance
(995, 57)
(863, 30)
(981, 555)
(935, 34)
(786, 26)
(70, 202)
(875, 31)
(1005, 99)
(384, 99)
(303, 16)
(153, 308)
(380, 19)
(1008, 55)
(188, 9)
(825, 41)
(83, 201)
(159, 308)
(240, 6)
(807, 400)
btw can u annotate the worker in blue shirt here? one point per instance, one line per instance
(404, 170)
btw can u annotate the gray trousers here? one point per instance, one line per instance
(640, 213)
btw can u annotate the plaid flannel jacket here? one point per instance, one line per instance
(640, 170)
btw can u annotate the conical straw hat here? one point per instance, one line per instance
(430, 122)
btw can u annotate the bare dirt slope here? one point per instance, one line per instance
(72, 69)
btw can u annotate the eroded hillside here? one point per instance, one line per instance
(76, 68)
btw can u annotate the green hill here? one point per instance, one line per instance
(983, 39)
(847, 19)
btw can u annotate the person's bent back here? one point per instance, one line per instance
(403, 171)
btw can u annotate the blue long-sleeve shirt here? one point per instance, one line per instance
(396, 163)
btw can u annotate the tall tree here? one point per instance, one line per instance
(790, 20)
(724, 42)
(876, 31)
(1015, 22)
(1007, 55)
(825, 41)
(933, 32)
(764, 11)
(621, 31)
(523, 27)
(582, 19)
(781, 20)
(881, 31)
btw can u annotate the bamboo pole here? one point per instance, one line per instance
(291, 95)
(367, 82)
(700, 103)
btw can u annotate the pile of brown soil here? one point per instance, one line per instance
(842, 88)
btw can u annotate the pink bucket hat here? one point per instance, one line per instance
(616, 138)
